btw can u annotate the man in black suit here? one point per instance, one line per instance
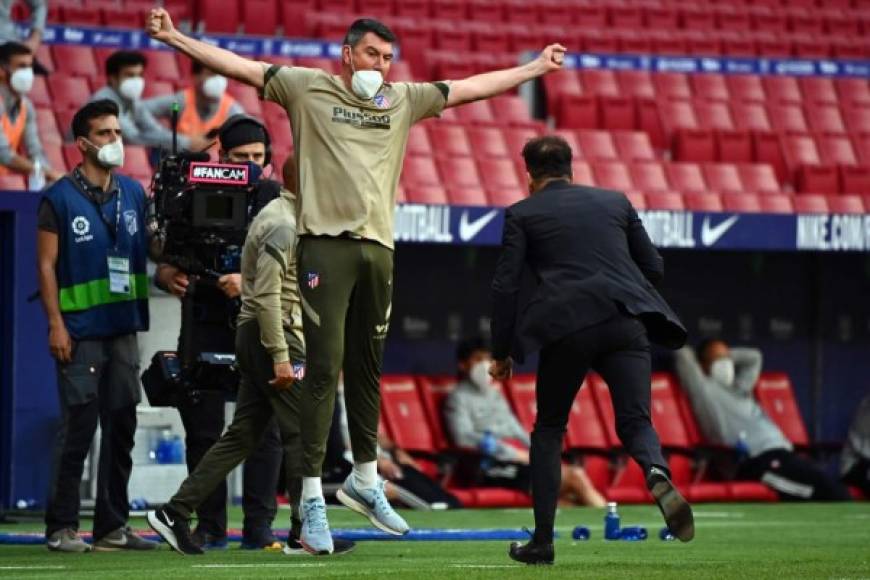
(594, 307)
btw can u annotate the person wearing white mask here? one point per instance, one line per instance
(125, 70)
(20, 146)
(202, 107)
(349, 135)
(92, 243)
(478, 417)
(720, 382)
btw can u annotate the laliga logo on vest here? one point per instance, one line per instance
(80, 227)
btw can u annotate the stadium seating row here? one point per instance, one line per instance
(412, 414)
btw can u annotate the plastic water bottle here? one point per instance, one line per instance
(611, 522)
(633, 533)
(741, 448)
(165, 453)
(487, 447)
(26, 504)
(36, 181)
(177, 450)
(580, 533)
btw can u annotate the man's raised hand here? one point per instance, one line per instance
(159, 25)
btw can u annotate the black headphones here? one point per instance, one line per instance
(242, 118)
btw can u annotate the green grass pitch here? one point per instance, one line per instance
(741, 541)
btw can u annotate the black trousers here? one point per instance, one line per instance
(261, 473)
(859, 476)
(618, 349)
(100, 385)
(793, 477)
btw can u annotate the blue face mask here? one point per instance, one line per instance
(255, 172)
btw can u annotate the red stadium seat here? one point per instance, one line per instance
(583, 173)
(750, 116)
(630, 17)
(487, 142)
(702, 202)
(477, 112)
(13, 182)
(818, 179)
(776, 396)
(122, 17)
(578, 112)
(80, 15)
(512, 110)
(825, 118)
(428, 194)
(597, 145)
(564, 82)
(433, 393)
(584, 425)
(636, 83)
(713, 115)
(68, 92)
(853, 91)
(845, 203)
(136, 163)
(742, 202)
(676, 115)
(599, 82)
(418, 142)
(649, 176)
(499, 174)
(696, 145)
(665, 200)
(767, 148)
(784, 89)
(712, 87)
(810, 203)
(650, 122)
(617, 113)
(613, 175)
(686, 177)
(459, 173)
(259, 16)
(503, 197)
(637, 199)
(78, 61)
(799, 150)
(733, 146)
(787, 118)
(220, 16)
(571, 137)
(520, 390)
(818, 90)
(857, 118)
(419, 171)
(758, 178)
(660, 18)
(633, 146)
(47, 127)
(449, 10)
(449, 140)
(723, 177)
(404, 415)
(777, 203)
(836, 150)
(467, 195)
(746, 88)
(855, 179)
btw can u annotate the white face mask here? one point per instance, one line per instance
(479, 375)
(722, 371)
(365, 83)
(132, 88)
(21, 80)
(214, 86)
(110, 155)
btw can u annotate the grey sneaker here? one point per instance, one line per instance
(66, 540)
(373, 504)
(315, 536)
(123, 539)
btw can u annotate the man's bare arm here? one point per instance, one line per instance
(46, 256)
(159, 26)
(486, 85)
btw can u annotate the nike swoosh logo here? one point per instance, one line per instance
(168, 520)
(54, 543)
(121, 542)
(467, 230)
(711, 235)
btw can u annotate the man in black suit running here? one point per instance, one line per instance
(594, 307)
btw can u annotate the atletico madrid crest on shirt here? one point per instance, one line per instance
(382, 102)
(313, 280)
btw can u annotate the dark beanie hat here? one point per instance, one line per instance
(241, 130)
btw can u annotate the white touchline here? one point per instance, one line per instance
(258, 565)
(33, 567)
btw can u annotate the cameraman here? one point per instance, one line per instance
(215, 306)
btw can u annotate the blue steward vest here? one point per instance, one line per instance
(85, 240)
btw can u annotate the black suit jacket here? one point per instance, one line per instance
(591, 258)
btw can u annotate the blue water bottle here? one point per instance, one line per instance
(487, 448)
(611, 522)
(580, 533)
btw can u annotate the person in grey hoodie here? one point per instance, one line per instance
(720, 382)
(478, 417)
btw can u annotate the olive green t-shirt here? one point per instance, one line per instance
(349, 151)
(270, 293)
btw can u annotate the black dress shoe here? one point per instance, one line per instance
(675, 509)
(532, 553)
